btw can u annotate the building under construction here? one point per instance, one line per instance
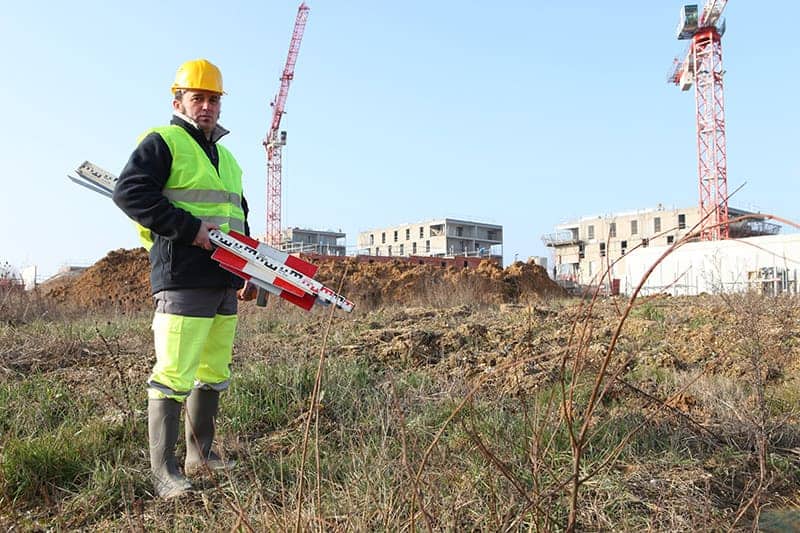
(444, 237)
(584, 249)
(312, 241)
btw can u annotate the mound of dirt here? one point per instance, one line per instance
(121, 280)
(399, 282)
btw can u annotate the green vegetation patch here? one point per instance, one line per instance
(39, 406)
(34, 468)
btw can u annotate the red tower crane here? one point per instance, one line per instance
(702, 66)
(276, 139)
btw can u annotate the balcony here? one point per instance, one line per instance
(561, 238)
(752, 228)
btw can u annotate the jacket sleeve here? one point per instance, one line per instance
(246, 210)
(138, 192)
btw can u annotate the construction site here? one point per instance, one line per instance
(709, 248)
(642, 376)
(609, 252)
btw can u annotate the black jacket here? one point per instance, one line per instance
(174, 262)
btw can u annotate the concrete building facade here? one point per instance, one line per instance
(583, 249)
(301, 240)
(446, 237)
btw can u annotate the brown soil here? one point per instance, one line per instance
(121, 280)
(694, 332)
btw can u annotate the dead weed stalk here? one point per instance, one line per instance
(581, 418)
(313, 413)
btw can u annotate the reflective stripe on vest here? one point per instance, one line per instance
(207, 196)
(197, 187)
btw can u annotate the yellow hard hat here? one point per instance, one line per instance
(198, 74)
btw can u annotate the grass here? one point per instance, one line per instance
(33, 467)
(650, 310)
(35, 407)
(451, 444)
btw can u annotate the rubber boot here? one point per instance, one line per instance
(201, 410)
(163, 421)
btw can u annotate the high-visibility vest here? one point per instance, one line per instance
(195, 186)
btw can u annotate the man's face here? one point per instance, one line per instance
(201, 106)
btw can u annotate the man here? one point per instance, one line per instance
(179, 184)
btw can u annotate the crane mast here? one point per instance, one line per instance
(276, 139)
(702, 67)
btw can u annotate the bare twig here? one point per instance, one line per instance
(313, 409)
(416, 496)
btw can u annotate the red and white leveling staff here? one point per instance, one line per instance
(269, 269)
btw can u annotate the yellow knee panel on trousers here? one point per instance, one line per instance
(215, 360)
(180, 342)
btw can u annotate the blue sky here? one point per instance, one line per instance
(520, 113)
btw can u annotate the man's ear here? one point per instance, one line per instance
(176, 104)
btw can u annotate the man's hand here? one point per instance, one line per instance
(201, 239)
(247, 293)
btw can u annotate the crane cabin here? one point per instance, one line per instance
(688, 21)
